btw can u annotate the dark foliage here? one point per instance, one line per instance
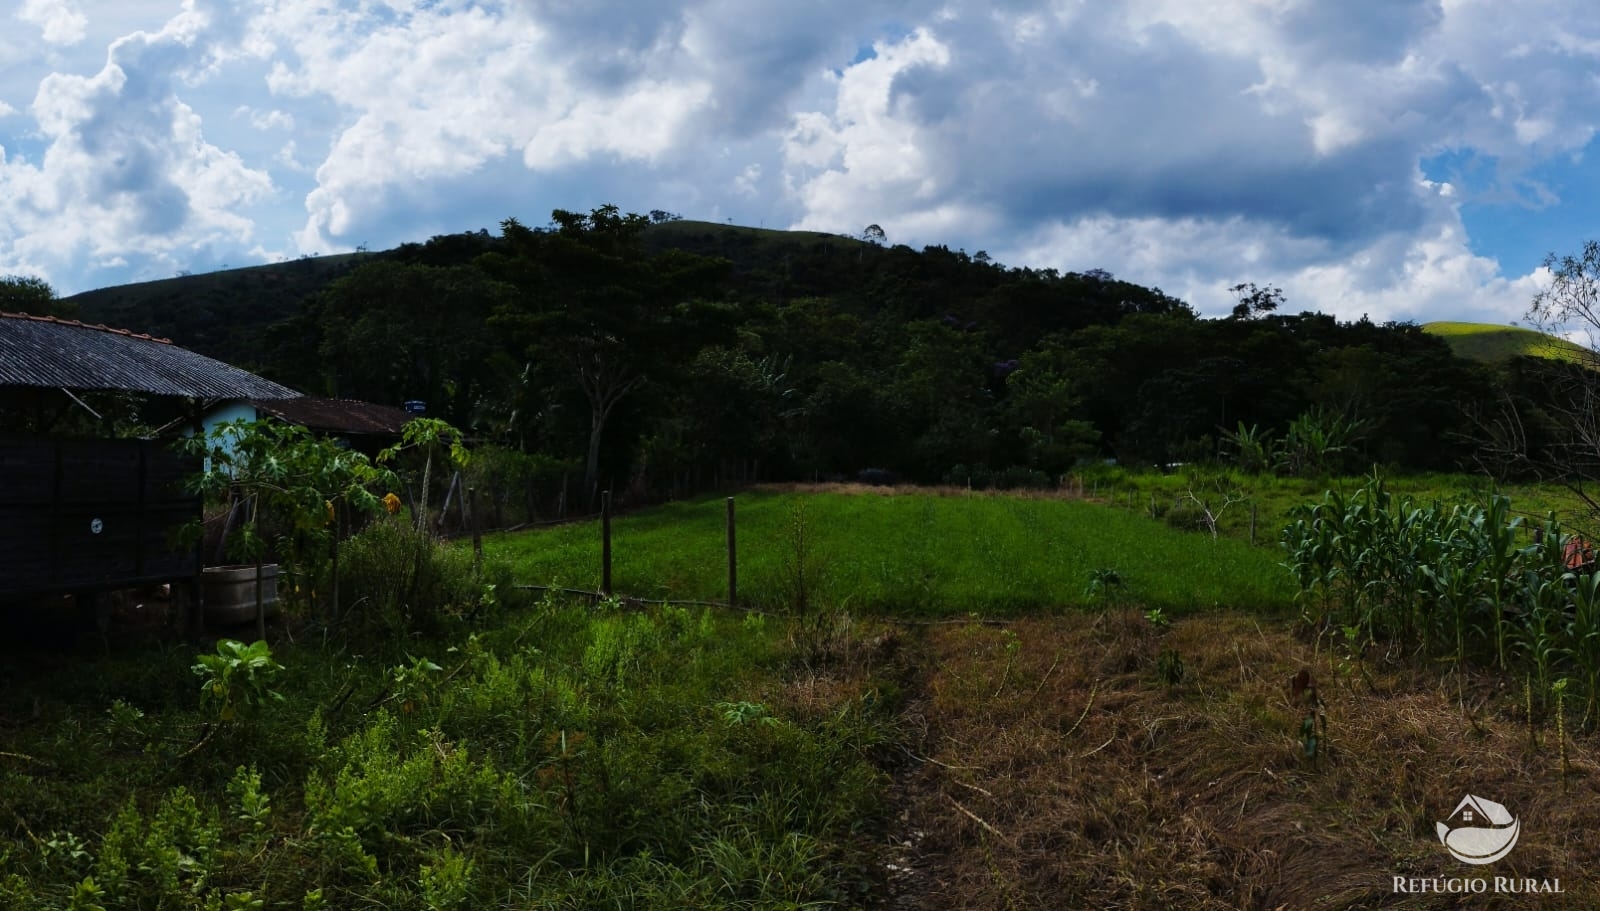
(657, 356)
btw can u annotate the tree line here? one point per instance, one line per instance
(659, 356)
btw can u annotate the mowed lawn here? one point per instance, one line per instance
(908, 553)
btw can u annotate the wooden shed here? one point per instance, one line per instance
(82, 516)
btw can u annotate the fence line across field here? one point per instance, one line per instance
(681, 602)
(607, 590)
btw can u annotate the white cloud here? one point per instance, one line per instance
(126, 170)
(1419, 276)
(60, 21)
(267, 120)
(749, 181)
(1181, 144)
(868, 154)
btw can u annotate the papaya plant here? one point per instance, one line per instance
(283, 476)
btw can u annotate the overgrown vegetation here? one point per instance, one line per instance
(560, 756)
(1086, 740)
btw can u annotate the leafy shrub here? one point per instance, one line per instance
(1186, 517)
(162, 861)
(381, 790)
(400, 580)
(238, 679)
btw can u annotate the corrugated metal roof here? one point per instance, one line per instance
(46, 352)
(337, 415)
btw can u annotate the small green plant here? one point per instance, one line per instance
(1105, 584)
(414, 684)
(800, 565)
(86, 896)
(1169, 667)
(1527, 711)
(1158, 618)
(1314, 723)
(251, 803)
(447, 882)
(66, 850)
(237, 679)
(741, 713)
(1560, 689)
(126, 720)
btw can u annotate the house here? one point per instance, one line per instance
(89, 515)
(362, 426)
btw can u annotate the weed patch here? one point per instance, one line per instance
(568, 756)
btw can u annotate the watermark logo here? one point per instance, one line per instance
(1479, 831)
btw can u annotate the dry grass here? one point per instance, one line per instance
(1057, 771)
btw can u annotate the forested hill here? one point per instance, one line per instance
(665, 355)
(220, 314)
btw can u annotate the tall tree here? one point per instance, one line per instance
(594, 301)
(1568, 393)
(392, 331)
(30, 294)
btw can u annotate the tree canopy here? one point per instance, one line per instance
(663, 355)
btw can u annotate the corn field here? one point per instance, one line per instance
(1459, 583)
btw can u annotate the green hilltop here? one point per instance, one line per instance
(1490, 343)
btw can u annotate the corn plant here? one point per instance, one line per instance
(1537, 638)
(1583, 639)
(1453, 581)
(1460, 580)
(1496, 531)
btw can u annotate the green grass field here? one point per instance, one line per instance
(1489, 342)
(913, 554)
(1152, 493)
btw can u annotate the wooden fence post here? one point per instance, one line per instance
(1252, 523)
(477, 530)
(733, 560)
(605, 543)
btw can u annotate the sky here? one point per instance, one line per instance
(1400, 159)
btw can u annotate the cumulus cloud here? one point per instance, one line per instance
(60, 21)
(125, 168)
(1270, 140)
(1191, 146)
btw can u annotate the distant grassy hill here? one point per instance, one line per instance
(1488, 342)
